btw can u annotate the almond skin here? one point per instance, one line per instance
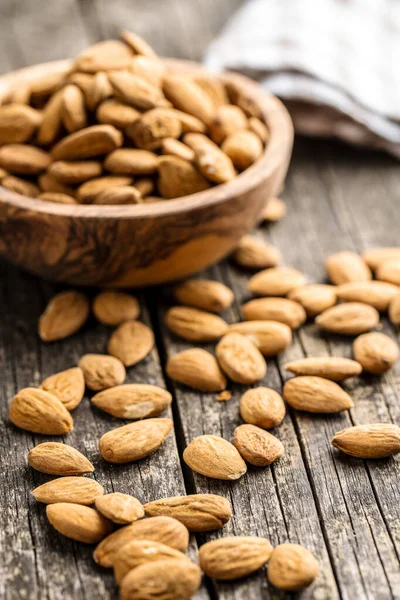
(204, 294)
(197, 369)
(375, 256)
(58, 459)
(40, 412)
(104, 56)
(243, 148)
(277, 281)
(212, 163)
(75, 172)
(86, 143)
(134, 441)
(78, 490)
(253, 253)
(316, 395)
(113, 308)
(346, 266)
(68, 386)
(270, 337)
(263, 407)
(195, 325)
(78, 522)
(17, 123)
(351, 318)
(240, 359)
(198, 512)
(228, 119)
(131, 342)
(133, 400)
(64, 315)
(152, 127)
(90, 190)
(188, 97)
(376, 352)
(234, 557)
(178, 177)
(165, 530)
(102, 371)
(292, 567)
(375, 293)
(314, 298)
(214, 457)
(334, 368)
(131, 161)
(394, 310)
(119, 508)
(22, 159)
(377, 440)
(389, 271)
(256, 446)
(275, 309)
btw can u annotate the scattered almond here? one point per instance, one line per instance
(68, 386)
(275, 309)
(375, 256)
(275, 210)
(277, 281)
(90, 190)
(58, 459)
(177, 148)
(234, 557)
(78, 490)
(119, 508)
(131, 342)
(214, 457)
(116, 113)
(73, 111)
(74, 172)
(375, 293)
(253, 253)
(259, 128)
(149, 131)
(351, 318)
(40, 412)
(137, 44)
(292, 567)
(263, 407)
(57, 197)
(78, 522)
(134, 90)
(194, 324)
(240, 359)
(377, 440)
(20, 186)
(256, 446)
(314, 298)
(376, 352)
(224, 396)
(270, 337)
(344, 267)
(204, 294)
(197, 369)
(102, 371)
(133, 400)
(334, 368)
(64, 315)
(316, 395)
(113, 308)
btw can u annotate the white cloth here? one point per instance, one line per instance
(335, 63)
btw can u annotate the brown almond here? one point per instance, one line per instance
(165, 530)
(188, 122)
(263, 407)
(240, 359)
(121, 195)
(314, 298)
(99, 90)
(204, 294)
(77, 522)
(153, 126)
(334, 368)
(131, 161)
(277, 281)
(133, 400)
(89, 190)
(275, 210)
(150, 68)
(375, 256)
(145, 186)
(47, 83)
(227, 119)
(54, 458)
(351, 318)
(394, 310)
(18, 123)
(84, 82)
(51, 123)
(389, 271)
(137, 44)
(102, 371)
(86, 143)
(377, 440)
(259, 128)
(270, 337)
(22, 159)
(275, 309)
(49, 183)
(3, 174)
(197, 369)
(64, 315)
(57, 198)
(375, 293)
(177, 148)
(344, 267)
(75, 172)
(116, 113)
(376, 352)
(68, 386)
(20, 186)
(198, 512)
(292, 567)
(213, 87)
(131, 342)
(253, 253)
(178, 177)
(40, 412)
(73, 111)
(316, 395)
(113, 308)
(234, 557)
(209, 159)
(134, 90)
(104, 56)
(214, 457)
(256, 446)
(134, 441)
(78, 490)
(243, 148)
(194, 324)
(119, 508)
(140, 552)
(188, 97)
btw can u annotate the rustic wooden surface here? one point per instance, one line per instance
(347, 511)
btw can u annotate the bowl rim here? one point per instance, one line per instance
(281, 134)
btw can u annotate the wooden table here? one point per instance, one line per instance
(346, 511)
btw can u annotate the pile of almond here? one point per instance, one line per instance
(119, 128)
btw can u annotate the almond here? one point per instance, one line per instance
(240, 359)
(344, 267)
(57, 197)
(17, 123)
(134, 441)
(152, 127)
(75, 172)
(188, 122)
(259, 128)
(101, 371)
(314, 298)
(375, 293)
(214, 457)
(51, 123)
(253, 253)
(3, 174)
(292, 567)
(22, 159)
(256, 446)
(277, 281)
(49, 183)
(131, 161)
(86, 143)
(188, 97)
(197, 369)
(377, 440)
(137, 44)
(73, 111)
(234, 557)
(204, 294)
(104, 56)
(162, 580)
(375, 256)
(177, 148)
(119, 508)
(58, 459)
(198, 512)
(64, 315)
(213, 87)
(116, 113)
(165, 530)
(194, 324)
(47, 83)
(376, 352)
(78, 490)
(78, 522)
(117, 196)
(89, 190)
(270, 337)
(275, 210)
(131, 342)
(227, 119)
(389, 271)
(275, 309)
(20, 186)
(394, 310)
(133, 400)
(140, 552)
(178, 177)
(135, 90)
(68, 386)
(316, 395)
(351, 318)
(334, 368)
(243, 148)
(224, 396)
(212, 163)
(262, 406)
(99, 90)
(148, 67)
(113, 308)
(145, 186)
(40, 412)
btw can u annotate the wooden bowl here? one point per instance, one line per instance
(139, 245)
